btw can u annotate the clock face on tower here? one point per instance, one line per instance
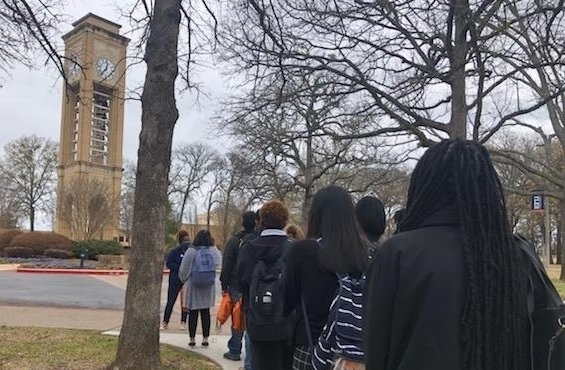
(74, 66)
(105, 68)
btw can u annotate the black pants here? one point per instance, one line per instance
(271, 355)
(175, 285)
(193, 320)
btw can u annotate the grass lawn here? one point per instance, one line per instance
(553, 271)
(50, 349)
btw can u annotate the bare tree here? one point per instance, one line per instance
(86, 207)
(290, 132)
(27, 26)
(10, 210)
(159, 115)
(29, 168)
(541, 162)
(191, 163)
(431, 69)
(127, 197)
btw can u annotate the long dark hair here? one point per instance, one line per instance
(203, 239)
(332, 218)
(457, 173)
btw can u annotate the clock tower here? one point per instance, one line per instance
(91, 138)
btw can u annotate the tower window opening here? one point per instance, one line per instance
(99, 133)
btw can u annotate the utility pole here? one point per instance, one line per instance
(547, 249)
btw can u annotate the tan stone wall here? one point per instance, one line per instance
(91, 39)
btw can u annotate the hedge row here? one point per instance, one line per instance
(90, 249)
(15, 243)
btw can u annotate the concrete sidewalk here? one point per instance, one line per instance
(107, 321)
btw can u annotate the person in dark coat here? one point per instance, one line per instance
(334, 245)
(270, 350)
(230, 280)
(448, 291)
(174, 260)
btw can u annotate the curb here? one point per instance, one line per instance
(75, 271)
(72, 271)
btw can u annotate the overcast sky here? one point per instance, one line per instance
(30, 100)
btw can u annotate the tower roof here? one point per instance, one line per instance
(93, 20)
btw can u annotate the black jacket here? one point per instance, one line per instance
(305, 277)
(228, 276)
(269, 248)
(414, 299)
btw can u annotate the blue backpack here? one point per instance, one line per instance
(203, 268)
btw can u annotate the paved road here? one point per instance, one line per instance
(59, 290)
(88, 302)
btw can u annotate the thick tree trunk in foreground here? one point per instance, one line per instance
(561, 243)
(139, 339)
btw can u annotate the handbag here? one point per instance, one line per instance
(224, 310)
(547, 316)
(238, 320)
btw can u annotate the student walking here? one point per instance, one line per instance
(334, 245)
(448, 291)
(260, 267)
(174, 260)
(230, 279)
(198, 273)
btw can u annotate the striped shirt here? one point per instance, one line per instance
(342, 336)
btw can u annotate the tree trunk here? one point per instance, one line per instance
(183, 206)
(458, 123)
(138, 346)
(31, 218)
(561, 241)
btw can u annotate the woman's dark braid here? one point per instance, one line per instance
(493, 323)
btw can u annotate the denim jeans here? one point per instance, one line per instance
(234, 344)
(248, 360)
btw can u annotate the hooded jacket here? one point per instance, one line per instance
(229, 277)
(414, 298)
(269, 246)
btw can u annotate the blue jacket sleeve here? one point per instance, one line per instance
(173, 259)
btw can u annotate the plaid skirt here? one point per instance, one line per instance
(302, 358)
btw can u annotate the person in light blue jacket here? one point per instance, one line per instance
(199, 299)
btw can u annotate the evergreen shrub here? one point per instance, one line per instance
(93, 248)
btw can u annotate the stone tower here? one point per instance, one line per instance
(91, 138)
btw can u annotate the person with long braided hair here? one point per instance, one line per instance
(448, 291)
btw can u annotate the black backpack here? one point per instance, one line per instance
(265, 320)
(547, 316)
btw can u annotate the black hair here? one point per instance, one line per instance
(248, 220)
(203, 238)
(399, 216)
(332, 218)
(370, 213)
(460, 174)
